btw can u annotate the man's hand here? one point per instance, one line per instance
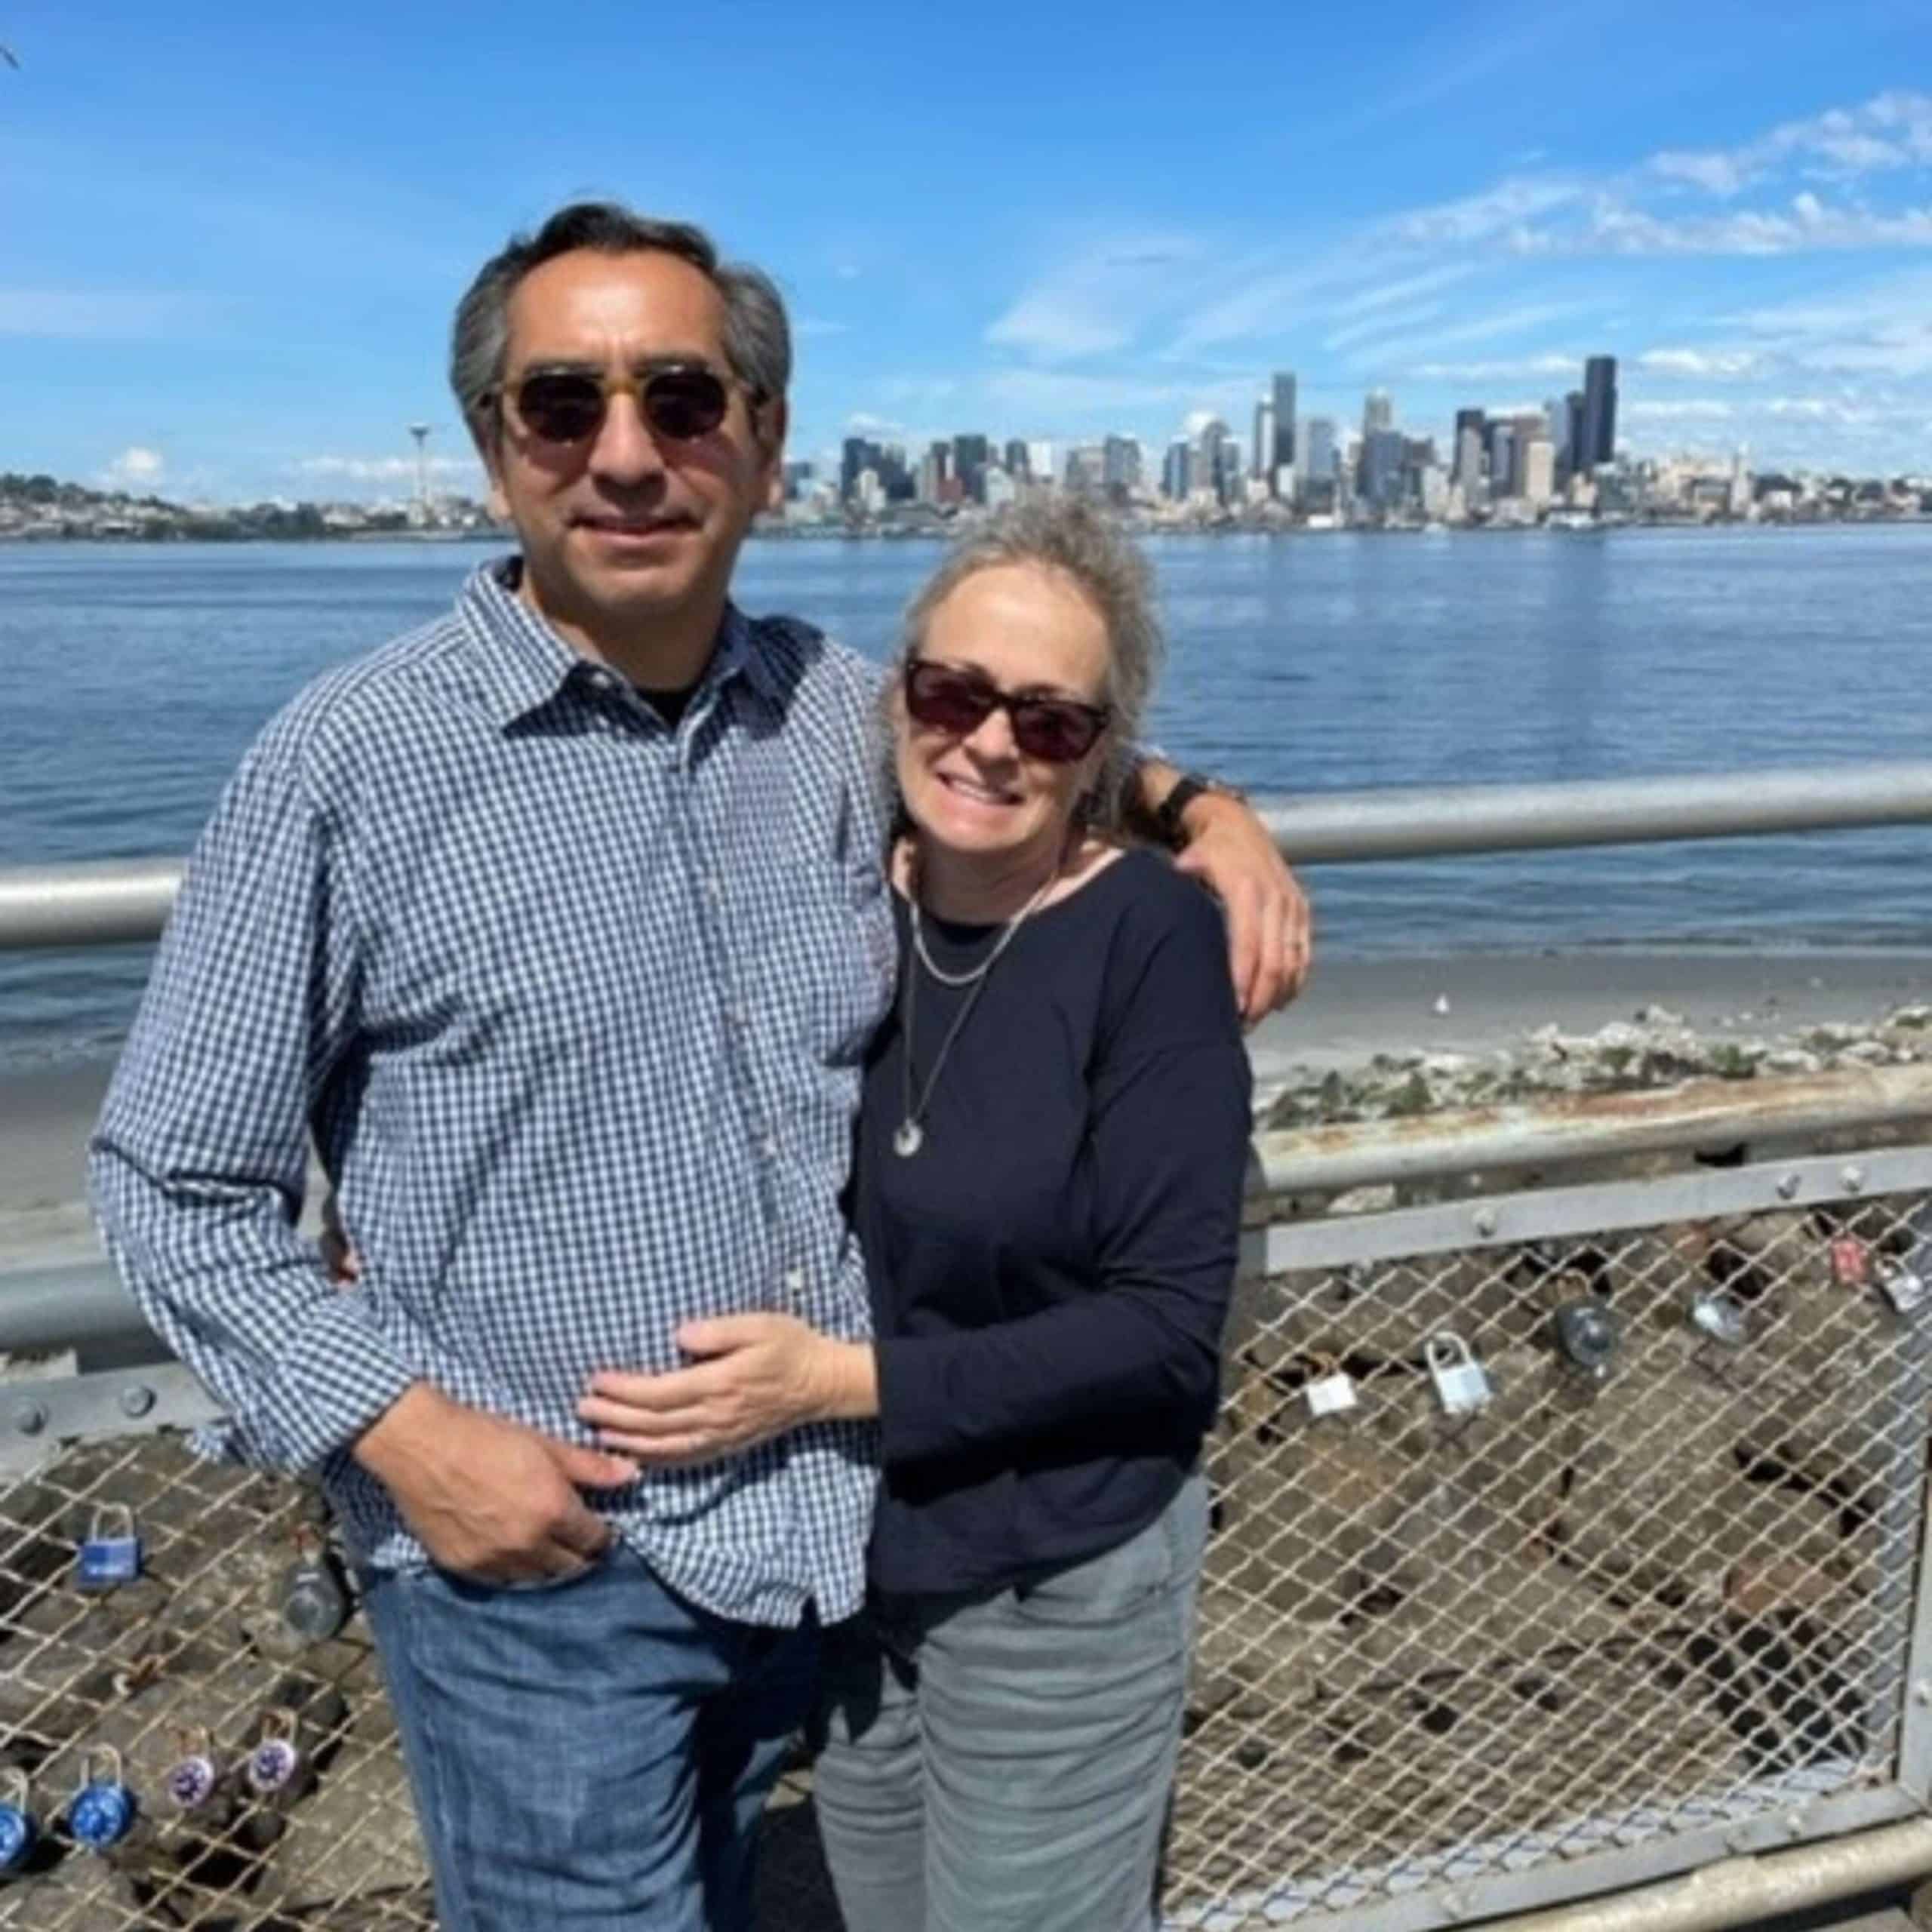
(488, 1498)
(1270, 946)
(757, 1376)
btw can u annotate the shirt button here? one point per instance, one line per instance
(768, 1147)
(601, 680)
(714, 888)
(795, 1282)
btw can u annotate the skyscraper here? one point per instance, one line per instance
(1120, 467)
(1263, 465)
(970, 455)
(1283, 398)
(1018, 459)
(1599, 437)
(1472, 432)
(1319, 459)
(1573, 451)
(1377, 412)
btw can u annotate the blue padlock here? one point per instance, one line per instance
(111, 1555)
(103, 1812)
(19, 1833)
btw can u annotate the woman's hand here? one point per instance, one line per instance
(757, 1376)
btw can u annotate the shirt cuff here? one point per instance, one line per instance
(340, 1376)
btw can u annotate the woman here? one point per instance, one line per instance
(1048, 1187)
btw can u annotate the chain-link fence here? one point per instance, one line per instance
(1545, 1562)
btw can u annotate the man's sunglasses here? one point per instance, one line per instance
(1056, 730)
(681, 402)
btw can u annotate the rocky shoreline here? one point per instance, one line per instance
(1655, 1048)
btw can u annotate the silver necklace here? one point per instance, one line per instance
(910, 1134)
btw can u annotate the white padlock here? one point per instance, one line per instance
(1461, 1385)
(1905, 1287)
(1332, 1392)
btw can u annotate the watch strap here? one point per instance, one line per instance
(1186, 789)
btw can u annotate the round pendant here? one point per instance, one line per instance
(910, 1138)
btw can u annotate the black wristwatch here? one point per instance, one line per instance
(1189, 786)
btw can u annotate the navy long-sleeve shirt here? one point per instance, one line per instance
(1050, 1273)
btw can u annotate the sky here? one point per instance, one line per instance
(231, 236)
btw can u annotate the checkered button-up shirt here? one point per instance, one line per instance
(574, 1006)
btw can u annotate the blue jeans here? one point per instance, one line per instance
(587, 1756)
(1003, 1762)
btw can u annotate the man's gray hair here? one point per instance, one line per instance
(758, 338)
(1064, 535)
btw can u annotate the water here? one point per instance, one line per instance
(133, 677)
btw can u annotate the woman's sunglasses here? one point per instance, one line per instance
(681, 401)
(1056, 730)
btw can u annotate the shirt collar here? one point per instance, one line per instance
(524, 663)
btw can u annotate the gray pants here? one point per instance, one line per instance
(1003, 1763)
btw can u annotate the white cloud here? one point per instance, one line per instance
(1410, 288)
(1096, 303)
(1720, 174)
(1371, 326)
(815, 325)
(136, 468)
(1806, 224)
(1397, 351)
(1513, 201)
(1516, 369)
(1890, 131)
(385, 469)
(861, 422)
(1688, 410)
(1706, 365)
(1044, 395)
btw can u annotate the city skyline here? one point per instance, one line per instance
(1046, 247)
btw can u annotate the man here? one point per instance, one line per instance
(560, 924)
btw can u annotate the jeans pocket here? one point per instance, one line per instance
(530, 1586)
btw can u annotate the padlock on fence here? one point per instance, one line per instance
(316, 1602)
(1462, 1385)
(195, 1781)
(277, 1769)
(110, 1554)
(103, 1810)
(20, 1830)
(1718, 1317)
(1587, 1337)
(1331, 1391)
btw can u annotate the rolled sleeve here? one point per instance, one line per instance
(198, 1164)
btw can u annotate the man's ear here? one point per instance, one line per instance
(769, 425)
(486, 437)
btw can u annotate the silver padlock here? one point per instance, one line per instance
(1462, 1386)
(1587, 1337)
(316, 1603)
(1331, 1391)
(1720, 1318)
(1902, 1285)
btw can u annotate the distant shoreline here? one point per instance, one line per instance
(828, 533)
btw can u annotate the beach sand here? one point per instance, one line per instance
(1354, 1009)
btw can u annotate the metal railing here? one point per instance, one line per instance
(1571, 1520)
(107, 901)
(1463, 1650)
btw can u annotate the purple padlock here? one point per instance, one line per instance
(275, 1764)
(194, 1777)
